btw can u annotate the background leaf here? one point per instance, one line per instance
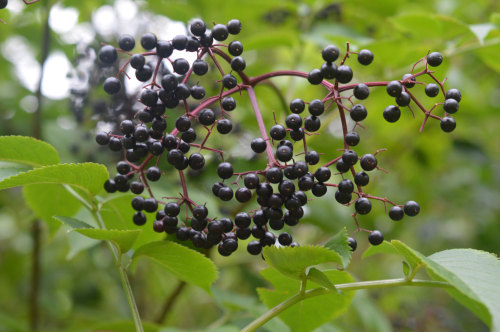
(48, 200)
(184, 263)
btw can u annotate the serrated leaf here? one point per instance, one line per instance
(383, 248)
(293, 262)
(184, 263)
(123, 238)
(72, 222)
(339, 244)
(320, 278)
(310, 313)
(480, 271)
(48, 200)
(27, 151)
(8, 169)
(117, 213)
(89, 177)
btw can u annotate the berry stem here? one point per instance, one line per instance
(184, 190)
(253, 326)
(262, 126)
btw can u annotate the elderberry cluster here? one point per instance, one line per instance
(293, 170)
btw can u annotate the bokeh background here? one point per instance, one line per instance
(455, 177)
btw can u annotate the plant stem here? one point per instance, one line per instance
(253, 326)
(123, 276)
(36, 231)
(262, 126)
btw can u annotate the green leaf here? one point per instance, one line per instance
(8, 169)
(312, 312)
(72, 222)
(123, 238)
(495, 19)
(320, 278)
(27, 151)
(488, 55)
(89, 177)
(369, 314)
(117, 213)
(339, 244)
(462, 291)
(480, 271)
(383, 248)
(184, 263)
(423, 25)
(293, 262)
(48, 200)
(406, 268)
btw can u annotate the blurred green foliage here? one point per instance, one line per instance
(455, 177)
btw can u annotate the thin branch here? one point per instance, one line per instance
(170, 302)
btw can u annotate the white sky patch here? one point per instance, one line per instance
(16, 6)
(126, 9)
(81, 33)
(105, 21)
(18, 51)
(55, 84)
(63, 20)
